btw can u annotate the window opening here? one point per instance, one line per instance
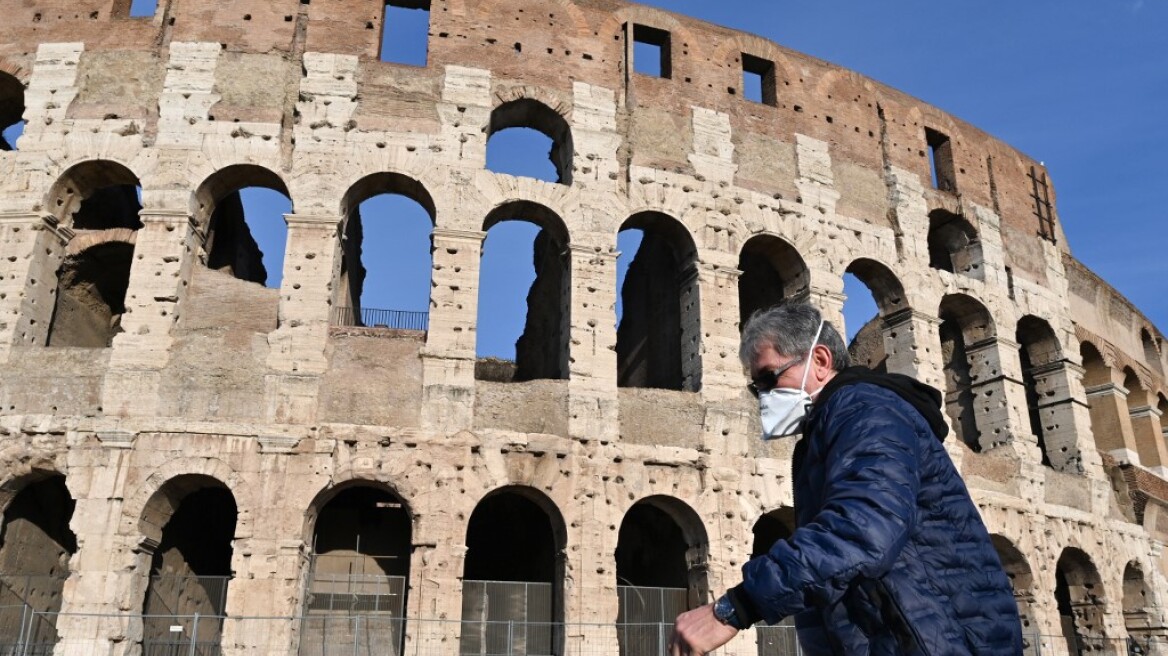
(527, 138)
(964, 322)
(405, 32)
(1043, 210)
(652, 52)
(245, 231)
(758, 80)
(1078, 596)
(772, 272)
(143, 8)
(521, 333)
(864, 329)
(11, 111)
(954, 245)
(941, 160)
(521, 152)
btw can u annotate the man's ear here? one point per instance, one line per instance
(822, 357)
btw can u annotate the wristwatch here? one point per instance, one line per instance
(724, 612)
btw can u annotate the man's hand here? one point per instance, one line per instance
(698, 632)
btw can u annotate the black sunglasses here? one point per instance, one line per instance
(769, 378)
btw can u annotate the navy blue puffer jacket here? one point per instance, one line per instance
(889, 555)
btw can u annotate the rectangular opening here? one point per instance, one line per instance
(941, 160)
(143, 8)
(758, 80)
(651, 52)
(405, 32)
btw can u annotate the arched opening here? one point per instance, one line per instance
(777, 639)
(513, 576)
(524, 296)
(191, 565)
(241, 209)
(35, 547)
(1137, 606)
(386, 261)
(98, 201)
(964, 323)
(359, 573)
(873, 296)
(661, 557)
(1151, 348)
(1162, 407)
(527, 138)
(11, 111)
(657, 331)
(1021, 581)
(1078, 594)
(772, 272)
(954, 245)
(1039, 354)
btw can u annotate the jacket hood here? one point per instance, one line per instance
(924, 398)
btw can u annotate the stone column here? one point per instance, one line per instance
(911, 347)
(435, 584)
(1111, 422)
(263, 597)
(1149, 438)
(159, 280)
(311, 265)
(1065, 417)
(592, 389)
(722, 376)
(448, 359)
(34, 247)
(999, 397)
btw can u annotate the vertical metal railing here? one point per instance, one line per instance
(381, 318)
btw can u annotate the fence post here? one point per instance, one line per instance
(23, 621)
(356, 631)
(194, 635)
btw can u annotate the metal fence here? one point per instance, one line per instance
(378, 318)
(380, 635)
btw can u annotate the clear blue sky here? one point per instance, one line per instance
(1079, 84)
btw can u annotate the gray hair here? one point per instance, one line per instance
(788, 328)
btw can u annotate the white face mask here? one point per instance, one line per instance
(782, 409)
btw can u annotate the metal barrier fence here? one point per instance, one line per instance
(377, 318)
(381, 635)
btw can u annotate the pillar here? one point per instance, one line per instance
(1065, 417)
(910, 339)
(999, 398)
(1111, 422)
(1149, 438)
(593, 407)
(34, 247)
(722, 374)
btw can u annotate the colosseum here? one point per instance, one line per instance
(196, 463)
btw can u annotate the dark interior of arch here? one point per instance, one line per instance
(1020, 574)
(953, 243)
(651, 549)
(35, 546)
(541, 351)
(190, 566)
(1077, 591)
(363, 530)
(91, 296)
(114, 206)
(769, 529)
(772, 272)
(649, 337)
(1037, 347)
(529, 113)
(510, 538)
(11, 106)
(233, 249)
(959, 400)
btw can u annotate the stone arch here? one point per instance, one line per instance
(514, 571)
(954, 244)
(657, 337)
(1138, 608)
(773, 271)
(142, 509)
(542, 350)
(1151, 348)
(1040, 357)
(96, 194)
(965, 323)
(551, 121)
(11, 104)
(1021, 580)
(777, 524)
(1079, 596)
(388, 182)
(884, 334)
(227, 240)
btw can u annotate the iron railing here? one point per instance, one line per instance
(379, 318)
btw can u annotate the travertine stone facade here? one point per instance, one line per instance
(1057, 388)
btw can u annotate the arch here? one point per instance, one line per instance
(542, 349)
(954, 245)
(97, 194)
(514, 572)
(360, 564)
(11, 107)
(526, 112)
(964, 323)
(388, 182)
(229, 243)
(773, 271)
(1138, 605)
(1095, 368)
(657, 336)
(1079, 598)
(36, 545)
(771, 527)
(874, 335)
(886, 288)
(661, 556)
(1151, 348)
(1021, 579)
(1039, 352)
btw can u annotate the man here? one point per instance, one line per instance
(889, 555)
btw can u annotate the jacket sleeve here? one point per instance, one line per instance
(870, 453)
